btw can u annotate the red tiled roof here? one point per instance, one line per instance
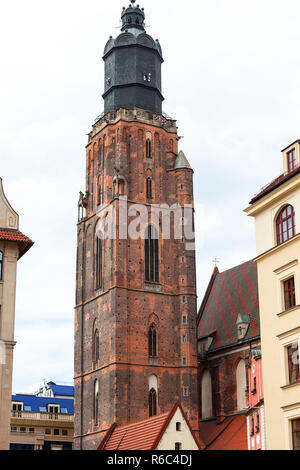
(231, 434)
(229, 294)
(11, 235)
(142, 435)
(275, 183)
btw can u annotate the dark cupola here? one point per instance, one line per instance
(133, 66)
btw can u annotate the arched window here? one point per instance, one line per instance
(151, 255)
(99, 261)
(285, 224)
(149, 188)
(241, 385)
(1, 266)
(152, 402)
(96, 402)
(99, 193)
(206, 396)
(152, 341)
(148, 148)
(96, 346)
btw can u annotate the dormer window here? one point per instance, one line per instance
(242, 324)
(291, 160)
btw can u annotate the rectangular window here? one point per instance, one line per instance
(48, 431)
(184, 361)
(296, 434)
(186, 392)
(178, 426)
(22, 429)
(293, 363)
(184, 319)
(177, 445)
(56, 432)
(13, 429)
(184, 339)
(54, 409)
(17, 407)
(31, 430)
(291, 160)
(64, 432)
(289, 293)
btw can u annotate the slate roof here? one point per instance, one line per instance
(229, 294)
(15, 236)
(142, 435)
(35, 403)
(230, 434)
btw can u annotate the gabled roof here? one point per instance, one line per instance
(230, 434)
(12, 235)
(142, 435)
(36, 403)
(275, 184)
(229, 294)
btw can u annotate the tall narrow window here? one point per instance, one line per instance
(289, 293)
(291, 160)
(241, 385)
(96, 346)
(96, 402)
(149, 188)
(293, 363)
(99, 197)
(99, 262)
(152, 339)
(285, 224)
(151, 255)
(1, 265)
(296, 434)
(148, 148)
(152, 402)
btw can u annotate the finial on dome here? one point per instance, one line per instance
(133, 2)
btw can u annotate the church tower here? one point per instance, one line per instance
(136, 306)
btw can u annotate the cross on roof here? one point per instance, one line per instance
(216, 261)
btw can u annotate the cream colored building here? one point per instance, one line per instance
(13, 245)
(276, 210)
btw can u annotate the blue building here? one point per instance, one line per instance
(44, 420)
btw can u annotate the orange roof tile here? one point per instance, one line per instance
(11, 235)
(231, 434)
(142, 435)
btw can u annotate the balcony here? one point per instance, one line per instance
(42, 416)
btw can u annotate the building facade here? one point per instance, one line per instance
(43, 421)
(13, 245)
(228, 331)
(276, 210)
(256, 413)
(135, 319)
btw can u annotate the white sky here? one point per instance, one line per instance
(231, 79)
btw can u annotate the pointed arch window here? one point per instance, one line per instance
(99, 261)
(96, 346)
(151, 255)
(285, 224)
(149, 188)
(1, 266)
(148, 148)
(96, 402)
(152, 402)
(152, 341)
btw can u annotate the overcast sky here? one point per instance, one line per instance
(231, 79)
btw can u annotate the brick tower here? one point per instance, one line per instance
(135, 318)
